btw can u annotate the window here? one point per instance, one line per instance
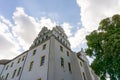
(67, 53)
(7, 67)
(39, 79)
(44, 46)
(14, 73)
(62, 62)
(6, 76)
(69, 67)
(23, 58)
(61, 48)
(42, 60)
(19, 60)
(84, 76)
(19, 71)
(31, 65)
(80, 63)
(2, 76)
(38, 41)
(12, 64)
(34, 52)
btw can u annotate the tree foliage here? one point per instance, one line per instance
(104, 44)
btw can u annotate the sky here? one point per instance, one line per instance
(22, 20)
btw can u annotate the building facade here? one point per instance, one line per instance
(49, 58)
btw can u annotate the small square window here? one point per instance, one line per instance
(34, 52)
(61, 48)
(44, 46)
(67, 53)
(19, 60)
(23, 58)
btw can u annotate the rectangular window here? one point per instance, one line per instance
(84, 76)
(61, 48)
(62, 62)
(6, 76)
(19, 60)
(34, 52)
(12, 64)
(80, 63)
(14, 73)
(69, 67)
(19, 71)
(3, 77)
(67, 53)
(31, 65)
(42, 60)
(44, 46)
(7, 67)
(23, 58)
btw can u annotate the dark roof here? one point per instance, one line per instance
(4, 61)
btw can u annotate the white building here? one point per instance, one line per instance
(49, 58)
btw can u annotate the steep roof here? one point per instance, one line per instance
(4, 61)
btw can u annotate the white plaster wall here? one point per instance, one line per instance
(1, 67)
(60, 72)
(37, 70)
(10, 69)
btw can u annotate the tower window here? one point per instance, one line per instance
(42, 61)
(14, 73)
(34, 52)
(19, 71)
(67, 53)
(62, 62)
(44, 46)
(31, 65)
(69, 67)
(61, 48)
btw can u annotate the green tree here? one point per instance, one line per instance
(104, 45)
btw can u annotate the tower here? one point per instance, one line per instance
(49, 58)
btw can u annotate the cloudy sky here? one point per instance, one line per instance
(21, 21)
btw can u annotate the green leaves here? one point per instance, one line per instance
(104, 44)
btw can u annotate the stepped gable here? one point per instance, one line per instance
(45, 34)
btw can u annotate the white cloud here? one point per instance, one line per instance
(93, 11)
(9, 47)
(78, 38)
(13, 37)
(47, 22)
(25, 26)
(67, 28)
